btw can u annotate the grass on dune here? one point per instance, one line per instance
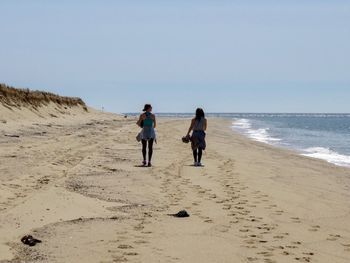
(14, 97)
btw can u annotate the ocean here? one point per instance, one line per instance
(322, 136)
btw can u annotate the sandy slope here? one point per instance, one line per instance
(75, 184)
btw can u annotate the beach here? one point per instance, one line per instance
(74, 182)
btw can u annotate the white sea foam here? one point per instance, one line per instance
(242, 124)
(261, 135)
(328, 155)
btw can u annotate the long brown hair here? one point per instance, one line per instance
(199, 113)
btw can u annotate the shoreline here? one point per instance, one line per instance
(262, 134)
(78, 184)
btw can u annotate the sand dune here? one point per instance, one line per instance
(73, 182)
(24, 105)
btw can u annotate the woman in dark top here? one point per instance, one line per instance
(198, 126)
(147, 121)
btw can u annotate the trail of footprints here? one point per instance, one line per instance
(257, 231)
(258, 234)
(263, 238)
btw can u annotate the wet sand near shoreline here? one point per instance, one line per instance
(76, 185)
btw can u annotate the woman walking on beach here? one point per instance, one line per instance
(147, 121)
(198, 126)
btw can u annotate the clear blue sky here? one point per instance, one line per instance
(226, 56)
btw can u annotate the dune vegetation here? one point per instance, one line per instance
(14, 97)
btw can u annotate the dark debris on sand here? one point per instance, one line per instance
(30, 240)
(181, 214)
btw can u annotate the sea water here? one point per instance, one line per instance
(323, 136)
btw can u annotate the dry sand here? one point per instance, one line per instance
(73, 182)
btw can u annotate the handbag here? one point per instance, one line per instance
(139, 136)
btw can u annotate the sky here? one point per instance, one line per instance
(224, 56)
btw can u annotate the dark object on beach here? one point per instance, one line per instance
(180, 214)
(12, 135)
(186, 139)
(30, 240)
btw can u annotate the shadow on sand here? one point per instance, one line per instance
(142, 166)
(192, 165)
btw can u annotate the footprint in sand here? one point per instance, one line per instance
(250, 241)
(265, 254)
(314, 228)
(139, 227)
(227, 207)
(140, 242)
(279, 212)
(256, 236)
(250, 247)
(296, 220)
(304, 259)
(223, 228)
(119, 259)
(266, 227)
(263, 241)
(234, 197)
(294, 245)
(346, 247)
(332, 237)
(125, 247)
(253, 219)
(147, 232)
(244, 213)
